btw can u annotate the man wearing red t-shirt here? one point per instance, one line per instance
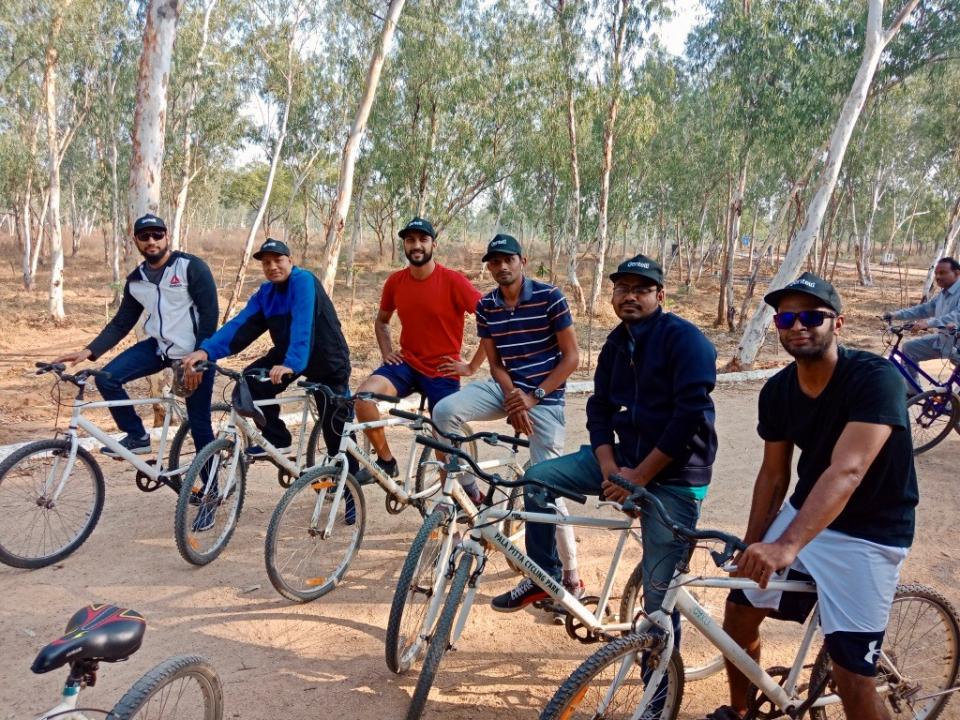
(431, 301)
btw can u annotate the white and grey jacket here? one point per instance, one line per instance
(182, 308)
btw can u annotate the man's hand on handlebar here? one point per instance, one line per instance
(277, 372)
(74, 357)
(761, 560)
(192, 376)
(614, 492)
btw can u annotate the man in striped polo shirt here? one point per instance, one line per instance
(526, 331)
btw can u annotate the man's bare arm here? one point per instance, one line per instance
(381, 328)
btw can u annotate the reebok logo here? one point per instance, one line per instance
(175, 282)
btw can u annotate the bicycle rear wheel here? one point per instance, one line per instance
(303, 561)
(610, 684)
(440, 642)
(700, 657)
(182, 449)
(416, 601)
(933, 414)
(206, 518)
(35, 529)
(180, 688)
(920, 658)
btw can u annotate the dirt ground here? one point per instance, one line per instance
(279, 659)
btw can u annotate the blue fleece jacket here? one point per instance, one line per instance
(652, 390)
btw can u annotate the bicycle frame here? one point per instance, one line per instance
(901, 361)
(238, 423)
(66, 709)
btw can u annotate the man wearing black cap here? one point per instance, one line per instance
(307, 340)
(850, 520)
(650, 420)
(526, 332)
(179, 295)
(431, 301)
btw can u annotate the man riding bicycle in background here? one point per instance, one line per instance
(307, 340)
(178, 293)
(850, 521)
(650, 420)
(431, 301)
(526, 332)
(940, 312)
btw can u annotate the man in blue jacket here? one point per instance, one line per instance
(307, 340)
(650, 419)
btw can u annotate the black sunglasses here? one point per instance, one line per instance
(152, 235)
(808, 318)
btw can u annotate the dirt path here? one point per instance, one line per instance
(325, 659)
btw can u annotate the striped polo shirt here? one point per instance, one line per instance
(526, 336)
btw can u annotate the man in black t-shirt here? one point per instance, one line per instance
(850, 521)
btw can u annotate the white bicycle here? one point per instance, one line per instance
(641, 675)
(184, 687)
(52, 491)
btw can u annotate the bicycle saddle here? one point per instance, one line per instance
(96, 632)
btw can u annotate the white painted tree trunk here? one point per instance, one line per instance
(51, 58)
(187, 173)
(268, 189)
(876, 40)
(341, 205)
(150, 114)
(573, 239)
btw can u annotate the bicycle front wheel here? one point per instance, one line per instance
(919, 661)
(416, 601)
(933, 414)
(610, 684)
(312, 540)
(38, 527)
(180, 688)
(440, 642)
(182, 449)
(210, 502)
(428, 473)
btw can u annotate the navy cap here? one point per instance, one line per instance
(148, 222)
(419, 224)
(272, 246)
(502, 244)
(808, 284)
(641, 266)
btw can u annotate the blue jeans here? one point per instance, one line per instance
(139, 361)
(580, 472)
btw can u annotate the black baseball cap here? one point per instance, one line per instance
(502, 244)
(641, 266)
(148, 222)
(272, 246)
(419, 224)
(808, 284)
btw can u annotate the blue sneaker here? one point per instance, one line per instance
(206, 517)
(350, 511)
(138, 446)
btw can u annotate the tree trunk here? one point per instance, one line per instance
(338, 215)
(945, 249)
(876, 40)
(186, 173)
(573, 240)
(864, 272)
(28, 267)
(726, 310)
(268, 189)
(356, 237)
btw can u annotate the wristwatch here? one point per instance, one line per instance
(539, 394)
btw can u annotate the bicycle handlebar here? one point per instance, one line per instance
(496, 479)
(491, 438)
(639, 494)
(59, 369)
(393, 399)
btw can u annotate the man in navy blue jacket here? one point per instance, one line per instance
(650, 419)
(307, 340)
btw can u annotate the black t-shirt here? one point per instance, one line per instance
(864, 388)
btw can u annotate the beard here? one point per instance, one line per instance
(153, 256)
(811, 351)
(425, 257)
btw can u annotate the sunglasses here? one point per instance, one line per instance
(154, 235)
(807, 318)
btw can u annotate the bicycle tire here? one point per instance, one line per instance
(188, 539)
(37, 509)
(564, 703)
(702, 658)
(440, 641)
(904, 621)
(176, 453)
(318, 581)
(151, 686)
(927, 412)
(403, 647)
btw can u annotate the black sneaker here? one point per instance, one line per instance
(518, 598)
(138, 446)
(365, 477)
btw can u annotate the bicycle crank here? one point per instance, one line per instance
(146, 483)
(759, 706)
(394, 506)
(580, 632)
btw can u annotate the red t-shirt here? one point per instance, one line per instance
(431, 314)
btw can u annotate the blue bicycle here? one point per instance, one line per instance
(933, 412)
